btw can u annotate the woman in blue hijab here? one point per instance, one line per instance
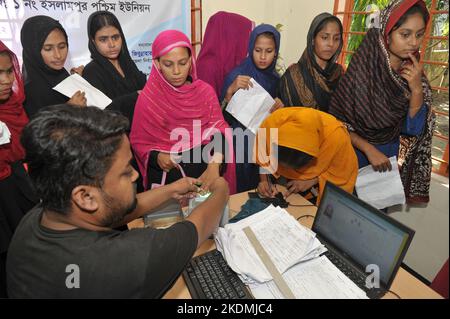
(260, 64)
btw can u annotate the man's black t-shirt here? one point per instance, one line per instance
(140, 263)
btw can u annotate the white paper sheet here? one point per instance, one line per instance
(5, 134)
(251, 107)
(315, 279)
(383, 189)
(70, 85)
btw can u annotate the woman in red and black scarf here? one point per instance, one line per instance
(16, 195)
(385, 99)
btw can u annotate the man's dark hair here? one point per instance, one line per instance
(67, 146)
(292, 158)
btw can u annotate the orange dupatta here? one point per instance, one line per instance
(313, 132)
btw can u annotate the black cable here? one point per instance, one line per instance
(304, 216)
(395, 294)
(293, 205)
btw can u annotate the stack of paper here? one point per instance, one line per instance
(381, 189)
(314, 279)
(251, 107)
(5, 134)
(293, 249)
(283, 238)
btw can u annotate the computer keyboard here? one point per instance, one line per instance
(209, 277)
(356, 276)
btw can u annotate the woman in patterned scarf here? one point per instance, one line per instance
(385, 98)
(311, 81)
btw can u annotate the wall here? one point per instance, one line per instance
(430, 245)
(294, 15)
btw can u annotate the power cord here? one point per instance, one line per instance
(304, 205)
(304, 216)
(395, 294)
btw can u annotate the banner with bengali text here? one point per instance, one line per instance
(141, 21)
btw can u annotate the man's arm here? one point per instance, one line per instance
(206, 216)
(152, 199)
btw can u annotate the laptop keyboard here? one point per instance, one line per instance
(356, 276)
(209, 277)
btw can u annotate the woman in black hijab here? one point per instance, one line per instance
(45, 50)
(312, 80)
(112, 70)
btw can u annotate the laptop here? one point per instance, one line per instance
(364, 243)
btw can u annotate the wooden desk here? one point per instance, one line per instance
(405, 284)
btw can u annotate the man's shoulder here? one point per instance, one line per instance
(29, 220)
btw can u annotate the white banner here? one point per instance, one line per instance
(141, 22)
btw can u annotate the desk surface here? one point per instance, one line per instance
(405, 285)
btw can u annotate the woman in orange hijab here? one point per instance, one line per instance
(313, 147)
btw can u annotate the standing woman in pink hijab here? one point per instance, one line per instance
(177, 116)
(224, 47)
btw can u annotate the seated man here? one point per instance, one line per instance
(66, 247)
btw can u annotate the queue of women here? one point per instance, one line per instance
(330, 122)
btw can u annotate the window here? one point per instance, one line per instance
(196, 24)
(434, 57)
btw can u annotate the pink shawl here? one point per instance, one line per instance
(224, 47)
(162, 109)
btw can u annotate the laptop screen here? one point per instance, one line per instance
(362, 232)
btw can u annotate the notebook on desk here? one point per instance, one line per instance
(361, 238)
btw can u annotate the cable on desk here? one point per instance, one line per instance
(304, 205)
(395, 294)
(304, 216)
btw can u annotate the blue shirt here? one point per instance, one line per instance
(412, 126)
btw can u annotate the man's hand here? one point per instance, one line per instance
(218, 185)
(184, 188)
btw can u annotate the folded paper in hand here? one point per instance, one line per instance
(70, 85)
(381, 189)
(251, 107)
(5, 134)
